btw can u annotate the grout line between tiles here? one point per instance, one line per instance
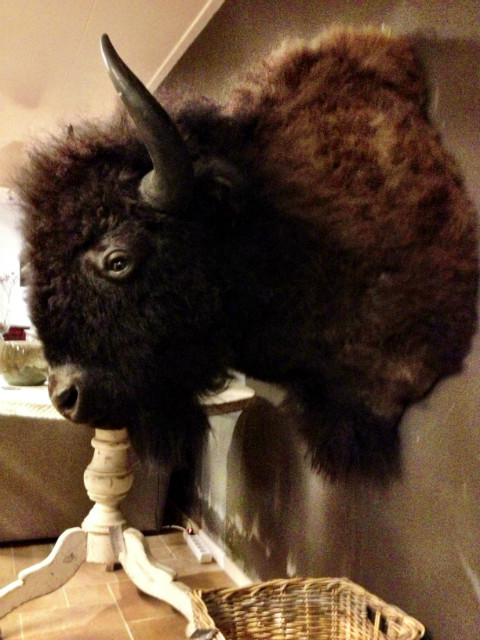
(66, 596)
(169, 549)
(20, 622)
(120, 612)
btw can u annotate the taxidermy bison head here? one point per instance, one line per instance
(311, 232)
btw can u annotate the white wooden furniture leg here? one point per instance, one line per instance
(50, 574)
(108, 479)
(150, 576)
(100, 539)
(104, 537)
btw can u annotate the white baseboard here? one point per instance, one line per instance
(227, 564)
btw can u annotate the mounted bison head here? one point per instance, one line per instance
(311, 232)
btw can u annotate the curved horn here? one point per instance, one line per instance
(169, 185)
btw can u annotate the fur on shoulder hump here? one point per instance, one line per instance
(334, 55)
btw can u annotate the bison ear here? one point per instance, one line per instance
(169, 186)
(224, 187)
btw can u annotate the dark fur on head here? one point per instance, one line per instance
(330, 247)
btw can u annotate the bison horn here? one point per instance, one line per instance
(169, 185)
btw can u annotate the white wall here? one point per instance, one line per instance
(10, 247)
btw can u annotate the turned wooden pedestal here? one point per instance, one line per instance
(103, 537)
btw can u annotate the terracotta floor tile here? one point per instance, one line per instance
(54, 600)
(89, 574)
(212, 580)
(6, 558)
(100, 605)
(183, 552)
(100, 622)
(94, 594)
(136, 605)
(173, 539)
(27, 556)
(168, 628)
(7, 566)
(157, 541)
(11, 627)
(187, 566)
(159, 549)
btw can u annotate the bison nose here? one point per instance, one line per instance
(64, 387)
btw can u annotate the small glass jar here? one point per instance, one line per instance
(22, 362)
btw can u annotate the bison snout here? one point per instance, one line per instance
(66, 387)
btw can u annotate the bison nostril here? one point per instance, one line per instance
(66, 400)
(66, 386)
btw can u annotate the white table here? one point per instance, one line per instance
(104, 536)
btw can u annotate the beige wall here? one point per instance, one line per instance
(416, 544)
(51, 70)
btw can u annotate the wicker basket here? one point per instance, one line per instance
(299, 609)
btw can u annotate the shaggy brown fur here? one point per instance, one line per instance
(330, 248)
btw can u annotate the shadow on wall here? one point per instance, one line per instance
(282, 519)
(413, 543)
(261, 526)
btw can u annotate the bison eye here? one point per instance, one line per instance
(117, 264)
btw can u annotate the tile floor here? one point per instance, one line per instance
(97, 605)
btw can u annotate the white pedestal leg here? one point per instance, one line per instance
(101, 538)
(150, 576)
(50, 574)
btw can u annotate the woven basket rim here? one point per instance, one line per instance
(414, 630)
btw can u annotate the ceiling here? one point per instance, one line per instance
(51, 70)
